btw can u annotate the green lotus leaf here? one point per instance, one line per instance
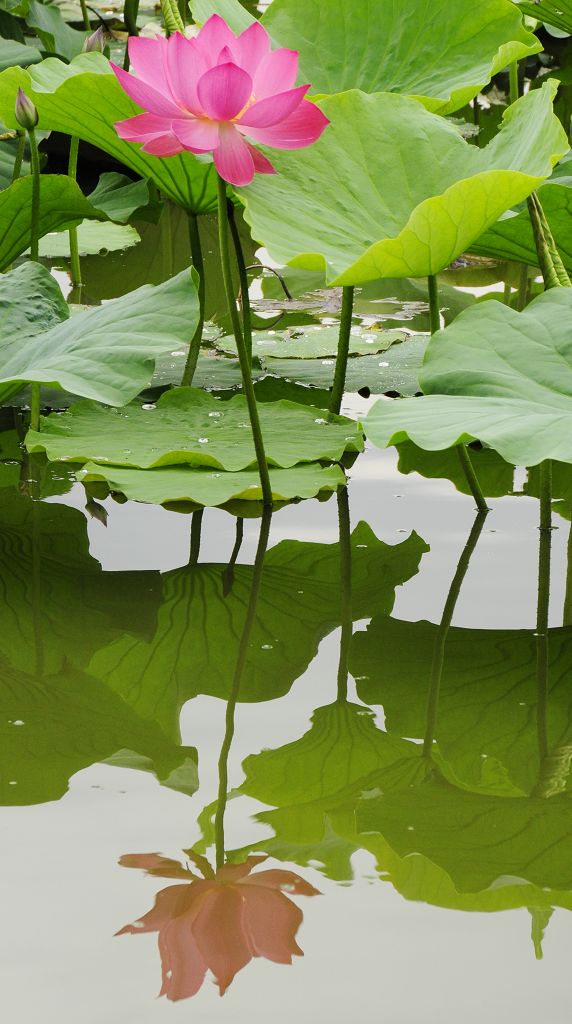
(511, 238)
(91, 238)
(55, 34)
(477, 839)
(13, 53)
(57, 718)
(85, 99)
(313, 342)
(550, 12)
(8, 151)
(204, 602)
(441, 54)
(355, 205)
(62, 206)
(486, 726)
(106, 353)
(119, 196)
(201, 486)
(495, 475)
(31, 302)
(500, 376)
(190, 427)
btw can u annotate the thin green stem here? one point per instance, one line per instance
(85, 15)
(521, 298)
(346, 618)
(198, 264)
(243, 278)
(542, 611)
(183, 10)
(440, 640)
(35, 405)
(35, 223)
(196, 528)
(434, 309)
(242, 353)
(472, 478)
(567, 612)
(235, 686)
(228, 573)
(339, 384)
(17, 169)
(75, 265)
(514, 89)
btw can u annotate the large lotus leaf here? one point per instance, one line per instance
(511, 238)
(85, 99)
(119, 196)
(62, 205)
(31, 302)
(55, 34)
(442, 53)
(299, 604)
(486, 725)
(551, 12)
(106, 353)
(496, 477)
(190, 427)
(201, 486)
(313, 342)
(91, 238)
(53, 726)
(356, 205)
(477, 839)
(497, 375)
(13, 53)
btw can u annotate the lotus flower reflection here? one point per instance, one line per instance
(220, 921)
(214, 93)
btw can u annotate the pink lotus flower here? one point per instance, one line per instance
(218, 922)
(215, 91)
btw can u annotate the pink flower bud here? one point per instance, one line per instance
(26, 113)
(95, 43)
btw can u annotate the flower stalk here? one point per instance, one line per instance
(339, 384)
(223, 229)
(198, 264)
(243, 278)
(75, 264)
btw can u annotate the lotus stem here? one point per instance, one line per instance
(35, 403)
(522, 290)
(228, 574)
(472, 478)
(198, 264)
(339, 384)
(567, 611)
(17, 169)
(130, 12)
(196, 529)
(242, 353)
(514, 89)
(346, 592)
(434, 308)
(542, 610)
(182, 5)
(444, 626)
(85, 15)
(172, 17)
(277, 274)
(75, 265)
(235, 687)
(35, 224)
(243, 278)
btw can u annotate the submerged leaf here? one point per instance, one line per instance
(356, 205)
(313, 342)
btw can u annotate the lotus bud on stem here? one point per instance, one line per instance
(241, 348)
(465, 458)
(27, 116)
(96, 42)
(339, 384)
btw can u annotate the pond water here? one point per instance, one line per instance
(416, 775)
